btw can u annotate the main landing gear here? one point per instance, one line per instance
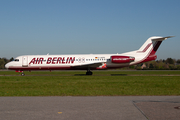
(89, 72)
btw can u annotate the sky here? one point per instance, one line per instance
(39, 27)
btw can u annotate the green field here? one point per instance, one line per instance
(101, 83)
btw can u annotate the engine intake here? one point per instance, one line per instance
(122, 59)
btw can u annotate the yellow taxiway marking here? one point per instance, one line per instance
(59, 112)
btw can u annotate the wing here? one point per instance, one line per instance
(84, 66)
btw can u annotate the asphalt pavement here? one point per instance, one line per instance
(90, 108)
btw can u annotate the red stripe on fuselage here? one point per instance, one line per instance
(50, 68)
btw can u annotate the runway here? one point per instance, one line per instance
(90, 108)
(98, 75)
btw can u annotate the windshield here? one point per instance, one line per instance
(16, 60)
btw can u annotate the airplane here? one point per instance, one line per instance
(88, 61)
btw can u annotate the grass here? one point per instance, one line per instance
(100, 72)
(102, 83)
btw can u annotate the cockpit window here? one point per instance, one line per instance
(16, 60)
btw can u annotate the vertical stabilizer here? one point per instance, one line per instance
(150, 47)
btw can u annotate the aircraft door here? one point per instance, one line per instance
(25, 61)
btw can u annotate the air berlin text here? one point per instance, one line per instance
(53, 60)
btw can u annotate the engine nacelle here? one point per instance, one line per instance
(122, 59)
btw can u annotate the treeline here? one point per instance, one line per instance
(3, 61)
(168, 64)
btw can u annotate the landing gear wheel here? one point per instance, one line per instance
(89, 73)
(22, 74)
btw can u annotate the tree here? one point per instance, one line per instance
(12, 59)
(178, 61)
(2, 63)
(151, 66)
(170, 61)
(131, 67)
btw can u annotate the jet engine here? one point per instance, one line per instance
(122, 59)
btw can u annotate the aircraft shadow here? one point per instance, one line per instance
(102, 75)
(118, 74)
(80, 75)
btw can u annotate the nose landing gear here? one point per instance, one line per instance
(22, 74)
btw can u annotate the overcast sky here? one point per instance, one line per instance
(34, 27)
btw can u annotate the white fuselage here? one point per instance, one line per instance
(88, 61)
(58, 62)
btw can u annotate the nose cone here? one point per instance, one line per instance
(7, 65)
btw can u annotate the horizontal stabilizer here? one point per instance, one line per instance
(162, 38)
(152, 42)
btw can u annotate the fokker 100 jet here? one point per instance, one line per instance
(87, 61)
